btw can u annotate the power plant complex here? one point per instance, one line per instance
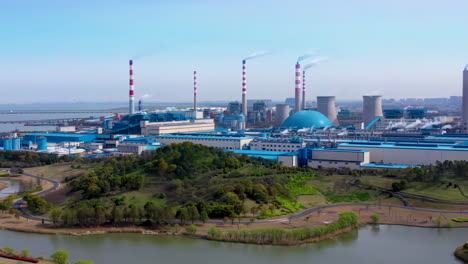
(377, 133)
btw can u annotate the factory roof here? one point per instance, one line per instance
(406, 146)
(262, 152)
(307, 119)
(61, 137)
(207, 137)
(385, 166)
(339, 150)
(271, 155)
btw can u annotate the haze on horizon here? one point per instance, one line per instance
(55, 51)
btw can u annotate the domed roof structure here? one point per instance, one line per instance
(307, 119)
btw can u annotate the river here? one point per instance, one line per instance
(13, 187)
(384, 244)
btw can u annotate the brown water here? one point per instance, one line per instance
(384, 244)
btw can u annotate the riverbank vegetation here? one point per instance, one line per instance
(58, 257)
(278, 236)
(183, 181)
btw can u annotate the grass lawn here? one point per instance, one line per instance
(438, 191)
(139, 198)
(378, 181)
(59, 171)
(312, 200)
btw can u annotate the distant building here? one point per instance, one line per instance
(217, 141)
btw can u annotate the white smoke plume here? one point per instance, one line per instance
(257, 54)
(146, 96)
(306, 56)
(315, 62)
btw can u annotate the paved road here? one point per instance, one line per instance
(18, 205)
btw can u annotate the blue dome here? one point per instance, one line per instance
(307, 119)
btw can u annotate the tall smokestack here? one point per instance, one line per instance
(244, 90)
(464, 124)
(297, 104)
(140, 108)
(194, 94)
(303, 91)
(131, 103)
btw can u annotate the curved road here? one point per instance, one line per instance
(18, 205)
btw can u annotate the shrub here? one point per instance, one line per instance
(25, 253)
(192, 229)
(375, 218)
(60, 256)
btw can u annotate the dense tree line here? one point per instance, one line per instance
(188, 176)
(25, 159)
(115, 174)
(36, 204)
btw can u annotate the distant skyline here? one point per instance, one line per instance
(72, 51)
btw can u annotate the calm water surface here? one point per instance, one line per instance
(384, 244)
(13, 187)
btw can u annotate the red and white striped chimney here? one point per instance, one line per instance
(303, 91)
(195, 94)
(244, 90)
(131, 103)
(297, 102)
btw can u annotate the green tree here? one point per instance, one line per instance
(61, 256)
(182, 215)
(83, 262)
(204, 216)
(193, 213)
(55, 214)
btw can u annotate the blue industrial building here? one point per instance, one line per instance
(307, 119)
(130, 124)
(60, 137)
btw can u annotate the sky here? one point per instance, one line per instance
(78, 51)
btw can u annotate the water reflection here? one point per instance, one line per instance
(375, 244)
(13, 187)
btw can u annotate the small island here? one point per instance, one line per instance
(462, 253)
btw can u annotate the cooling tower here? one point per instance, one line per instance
(464, 124)
(327, 106)
(372, 108)
(282, 113)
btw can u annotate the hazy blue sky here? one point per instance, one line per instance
(78, 50)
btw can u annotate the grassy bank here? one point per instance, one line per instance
(279, 236)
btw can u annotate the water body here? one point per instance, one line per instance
(38, 116)
(13, 187)
(384, 244)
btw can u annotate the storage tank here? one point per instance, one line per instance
(41, 143)
(327, 106)
(372, 108)
(7, 144)
(16, 143)
(282, 113)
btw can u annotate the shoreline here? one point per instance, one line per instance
(461, 254)
(88, 231)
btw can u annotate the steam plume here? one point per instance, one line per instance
(306, 56)
(315, 62)
(257, 54)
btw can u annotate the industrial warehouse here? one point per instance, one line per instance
(294, 133)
